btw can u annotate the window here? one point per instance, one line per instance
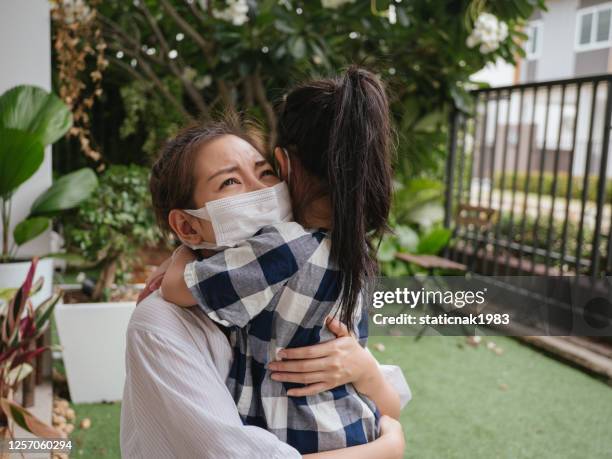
(533, 45)
(594, 29)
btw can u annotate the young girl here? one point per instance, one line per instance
(276, 288)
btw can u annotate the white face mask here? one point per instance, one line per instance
(236, 218)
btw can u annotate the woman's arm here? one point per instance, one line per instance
(390, 445)
(333, 363)
(176, 403)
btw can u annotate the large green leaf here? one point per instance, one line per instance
(66, 193)
(29, 228)
(434, 241)
(407, 237)
(387, 248)
(32, 109)
(21, 154)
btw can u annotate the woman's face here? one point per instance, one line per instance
(227, 166)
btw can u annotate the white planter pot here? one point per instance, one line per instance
(93, 339)
(12, 275)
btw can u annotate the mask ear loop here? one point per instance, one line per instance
(288, 166)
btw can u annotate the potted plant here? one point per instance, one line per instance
(20, 327)
(30, 119)
(107, 230)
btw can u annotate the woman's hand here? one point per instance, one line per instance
(326, 365)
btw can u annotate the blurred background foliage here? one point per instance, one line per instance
(167, 62)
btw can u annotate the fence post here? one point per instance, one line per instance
(450, 168)
(601, 188)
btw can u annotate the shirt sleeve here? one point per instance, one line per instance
(395, 377)
(176, 405)
(235, 285)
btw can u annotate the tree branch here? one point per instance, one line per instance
(193, 93)
(118, 34)
(261, 97)
(201, 42)
(159, 84)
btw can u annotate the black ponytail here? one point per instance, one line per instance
(340, 131)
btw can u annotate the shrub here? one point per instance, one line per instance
(110, 226)
(563, 182)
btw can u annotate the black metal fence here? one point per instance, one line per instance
(529, 179)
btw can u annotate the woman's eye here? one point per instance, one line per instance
(268, 172)
(229, 181)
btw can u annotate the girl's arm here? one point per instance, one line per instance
(173, 287)
(390, 445)
(334, 363)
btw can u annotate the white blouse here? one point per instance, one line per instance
(175, 401)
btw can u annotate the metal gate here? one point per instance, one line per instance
(529, 179)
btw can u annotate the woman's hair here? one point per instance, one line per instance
(339, 129)
(172, 183)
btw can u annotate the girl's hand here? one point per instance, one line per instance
(391, 432)
(154, 280)
(326, 365)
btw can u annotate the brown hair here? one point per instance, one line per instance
(172, 181)
(339, 130)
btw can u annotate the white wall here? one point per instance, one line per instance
(559, 32)
(501, 73)
(25, 58)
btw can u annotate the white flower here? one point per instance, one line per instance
(503, 31)
(75, 11)
(488, 32)
(392, 14)
(335, 4)
(190, 73)
(236, 12)
(203, 82)
(471, 41)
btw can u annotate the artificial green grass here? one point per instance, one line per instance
(101, 440)
(467, 403)
(471, 403)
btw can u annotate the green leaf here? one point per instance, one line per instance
(66, 193)
(426, 215)
(43, 312)
(18, 374)
(5, 295)
(21, 154)
(27, 421)
(430, 122)
(387, 249)
(282, 26)
(434, 241)
(32, 109)
(298, 48)
(407, 237)
(29, 228)
(462, 99)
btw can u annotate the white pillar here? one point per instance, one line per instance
(25, 58)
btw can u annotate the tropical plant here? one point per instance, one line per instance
(20, 327)
(30, 119)
(109, 227)
(416, 222)
(243, 54)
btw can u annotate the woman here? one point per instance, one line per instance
(353, 91)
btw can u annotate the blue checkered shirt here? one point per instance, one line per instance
(275, 290)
